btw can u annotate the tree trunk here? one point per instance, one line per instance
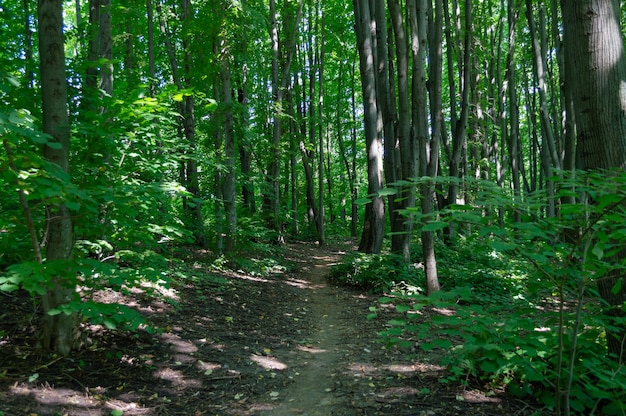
(280, 81)
(459, 125)
(321, 130)
(28, 49)
(374, 226)
(513, 110)
(401, 223)
(193, 207)
(151, 61)
(57, 330)
(229, 188)
(593, 40)
(550, 158)
(430, 147)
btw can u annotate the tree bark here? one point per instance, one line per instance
(401, 222)
(513, 110)
(593, 41)
(280, 81)
(550, 157)
(430, 146)
(374, 226)
(229, 188)
(57, 330)
(459, 125)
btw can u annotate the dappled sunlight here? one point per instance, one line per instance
(83, 403)
(251, 278)
(392, 394)
(177, 378)
(444, 311)
(304, 284)
(207, 367)
(407, 369)
(360, 369)
(311, 350)
(363, 369)
(178, 344)
(268, 362)
(476, 396)
(299, 283)
(55, 396)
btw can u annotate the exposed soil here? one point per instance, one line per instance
(289, 344)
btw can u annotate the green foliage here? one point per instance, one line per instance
(493, 277)
(377, 273)
(523, 311)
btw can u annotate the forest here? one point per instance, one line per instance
(468, 153)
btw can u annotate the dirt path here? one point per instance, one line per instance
(314, 391)
(237, 344)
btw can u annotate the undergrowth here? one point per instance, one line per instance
(521, 308)
(376, 273)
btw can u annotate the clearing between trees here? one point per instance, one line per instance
(287, 343)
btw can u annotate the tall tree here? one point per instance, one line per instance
(374, 226)
(230, 191)
(58, 329)
(282, 58)
(595, 47)
(429, 145)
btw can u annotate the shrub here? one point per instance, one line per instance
(377, 273)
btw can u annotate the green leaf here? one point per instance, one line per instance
(387, 191)
(434, 226)
(617, 287)
(403, 308)
(109, 323)
(362, 201)
(598, 250)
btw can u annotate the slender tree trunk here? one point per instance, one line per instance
(374, 227)
(28, 49)
(459, 126)
(245, 157)
(513, 110)
(151, 61)
(354, 220)
(193, 207)
(229, 188)
(401, 224)
(280, 81)
(321, 130)
(551, 160)
(430, 147)
(58, 329)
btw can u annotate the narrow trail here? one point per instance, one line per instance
(239, 344)
(313, 391)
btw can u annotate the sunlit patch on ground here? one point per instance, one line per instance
(268, 363)
(311, 350)
(91, 403)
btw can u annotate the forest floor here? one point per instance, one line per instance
(287, 344)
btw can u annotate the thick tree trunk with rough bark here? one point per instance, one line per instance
(595, 48)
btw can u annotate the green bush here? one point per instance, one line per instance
(522, 306)
(377, 273)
